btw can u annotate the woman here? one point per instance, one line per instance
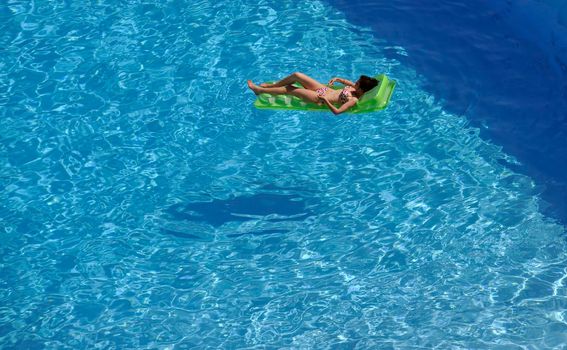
(314, 91)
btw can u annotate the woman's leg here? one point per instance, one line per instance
(269, 90)
(297, 77)
(305, 94)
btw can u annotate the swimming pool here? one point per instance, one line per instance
(501, 64)
(146, 204)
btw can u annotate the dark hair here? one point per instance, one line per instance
(366, 83)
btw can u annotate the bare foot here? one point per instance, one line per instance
(253, 86)
(266, 85)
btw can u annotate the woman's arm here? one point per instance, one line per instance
(351, 102)
(342, 81)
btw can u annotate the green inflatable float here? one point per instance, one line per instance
(374, 100)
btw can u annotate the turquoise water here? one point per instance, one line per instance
(146, 204)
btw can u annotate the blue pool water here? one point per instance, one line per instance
(501, 64)
(146, 204)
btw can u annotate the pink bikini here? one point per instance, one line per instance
(343, 96)
(321, 91)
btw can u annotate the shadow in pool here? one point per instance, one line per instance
(268, 207)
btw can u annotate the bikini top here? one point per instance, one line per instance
(344, 95)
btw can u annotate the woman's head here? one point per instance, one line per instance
(366, 83)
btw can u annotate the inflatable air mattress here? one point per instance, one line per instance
(374, 100)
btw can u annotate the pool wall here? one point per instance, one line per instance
(500, 64)
(543, 22)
